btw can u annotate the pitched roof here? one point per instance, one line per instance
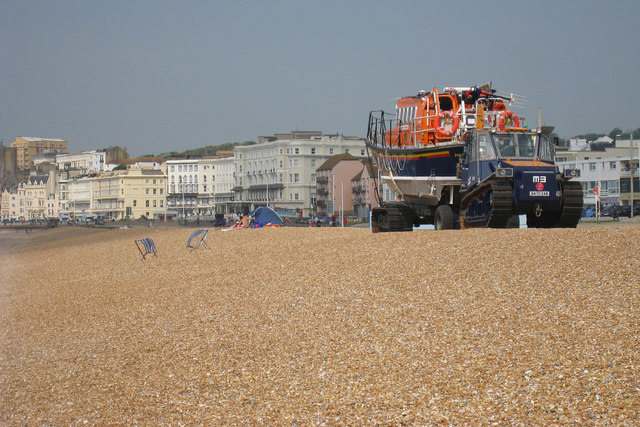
(37, 179)
(332, 161)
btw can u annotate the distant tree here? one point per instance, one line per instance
(120, 167)
(624, 135)
(614, 133)
(148, 155)
(210, 150)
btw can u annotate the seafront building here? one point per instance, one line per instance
(85, 161)
(607, 167)
(364, 189)
(334, 193)
(33, 198)
(200, 187)
(28, 147)
(281, 170)
(120, 194)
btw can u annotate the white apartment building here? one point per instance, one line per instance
(609, 170)
(200, 187)
(281, 170)
(86, 161)
(74, 197)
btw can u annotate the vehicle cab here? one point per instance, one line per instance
(521, 157)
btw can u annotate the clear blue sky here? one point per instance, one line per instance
(156, 76)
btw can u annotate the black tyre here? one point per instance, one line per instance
(514, 221)
(444, 218)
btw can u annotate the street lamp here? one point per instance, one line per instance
(630, 170)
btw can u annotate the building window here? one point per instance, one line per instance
(296, 178)
(135, 203)
(147, 203)
(331, 151)
(613, 165)
(592, 166)
(297, 150)
(313, 151)
(154, 203)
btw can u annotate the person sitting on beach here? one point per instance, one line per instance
(244, 223)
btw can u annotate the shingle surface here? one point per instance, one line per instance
(322, 326)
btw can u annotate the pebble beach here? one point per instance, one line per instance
(321, 326)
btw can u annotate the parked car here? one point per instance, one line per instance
(616, 211)
(589, 211)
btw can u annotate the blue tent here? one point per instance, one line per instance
(264, 215)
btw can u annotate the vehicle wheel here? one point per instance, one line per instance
(514, 222)
(379, 220)
(444, 218)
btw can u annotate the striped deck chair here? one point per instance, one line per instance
(146, 247)
(198, 240)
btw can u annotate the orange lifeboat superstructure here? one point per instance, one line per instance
(431, 118)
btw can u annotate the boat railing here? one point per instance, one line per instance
(386, 130)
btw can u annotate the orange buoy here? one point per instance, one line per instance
(506, 117)
(447, 115)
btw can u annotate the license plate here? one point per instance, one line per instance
(538, 194)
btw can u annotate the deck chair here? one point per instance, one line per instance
(198, 240)
(220, 221)
(146, 247)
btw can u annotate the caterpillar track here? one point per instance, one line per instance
(488, 206)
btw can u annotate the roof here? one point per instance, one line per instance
(371, 168)
(36, 179)
(138, 160)
(332, 161)
(38, 139)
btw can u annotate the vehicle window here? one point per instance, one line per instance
(526, 145)
(505, 144)
(545, 150)
(485, 149)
